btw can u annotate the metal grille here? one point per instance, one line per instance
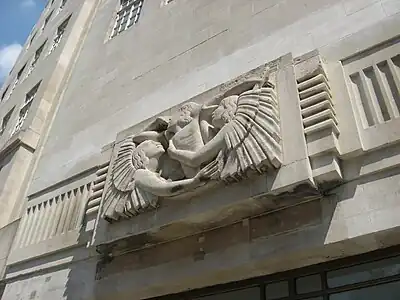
(5, 121)
(35, 59)
(60, 33)
(46, 21)
(62, 5)
(17, 79)
(23, 112)
(127, 15)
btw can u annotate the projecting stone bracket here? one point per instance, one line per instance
(321, 127)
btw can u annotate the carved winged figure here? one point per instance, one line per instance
(135, 184)
(247, 138)
(229, 139)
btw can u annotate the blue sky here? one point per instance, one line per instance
(17, 18)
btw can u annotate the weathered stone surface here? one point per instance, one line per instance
(309, 233)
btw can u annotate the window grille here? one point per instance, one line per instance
(23, 112)
(17, 79)
(35, 59)
(62, 5)
(32, 38)
(4, 93)
(46, 21)
(127, 15)
(5, 121)
(59, 35)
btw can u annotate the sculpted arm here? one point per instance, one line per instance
(150, 182)
(206, 153)
(147, 135)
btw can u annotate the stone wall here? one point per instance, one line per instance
(136, 75)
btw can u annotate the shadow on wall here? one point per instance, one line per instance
(2, 287)
(67, 274)
(292, 237)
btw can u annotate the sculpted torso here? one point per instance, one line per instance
(190, 132)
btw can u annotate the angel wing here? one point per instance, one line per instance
(122, 197)
(253, 136)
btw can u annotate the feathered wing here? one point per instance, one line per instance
(253, 136)
(122, 197)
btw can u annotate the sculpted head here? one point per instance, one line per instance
(183, 116)
(225, 111)
(145, 152)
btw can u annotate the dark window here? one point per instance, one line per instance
(371, 276)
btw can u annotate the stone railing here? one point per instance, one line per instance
(53, 218)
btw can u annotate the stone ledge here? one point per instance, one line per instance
(54, 260)
(210, 260)
(235, 203)
(47, 247)
(198, 245)
(21, 139)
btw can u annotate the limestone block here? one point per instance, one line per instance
(7, 234)
(354, 218)
(391, 7)
(17, 161)
(55, 278)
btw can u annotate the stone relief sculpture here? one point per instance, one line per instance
(247, 136)
(136, 184)
(228, 139)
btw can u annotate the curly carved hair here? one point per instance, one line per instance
(186, 113)
(139, 158)
(230, 105)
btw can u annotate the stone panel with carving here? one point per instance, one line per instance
(232, 137)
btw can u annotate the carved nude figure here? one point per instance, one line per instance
(135, 183)
(189, 129)
(248, 135)
(231, 137)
